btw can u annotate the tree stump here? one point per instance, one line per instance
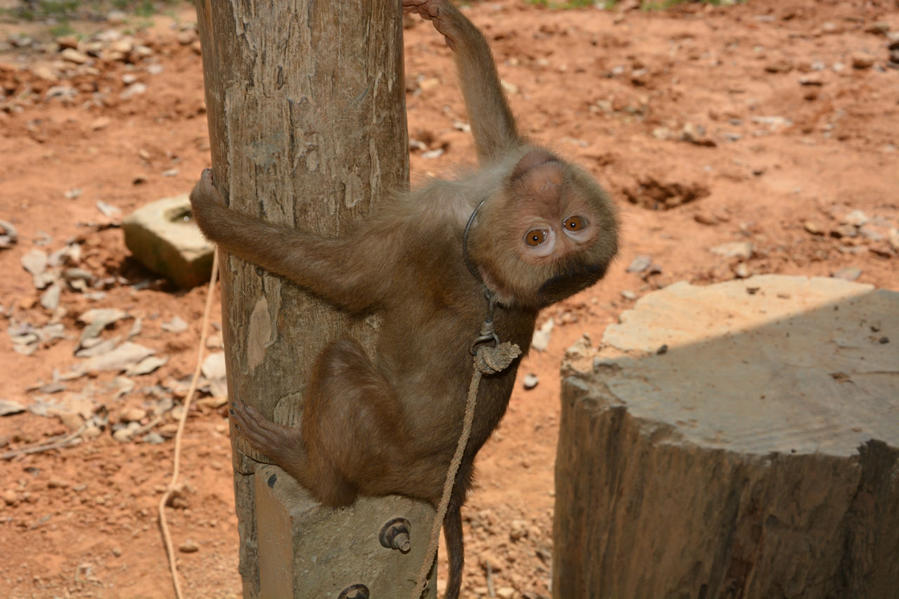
(736, 440)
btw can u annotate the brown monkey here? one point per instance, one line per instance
(527, 227)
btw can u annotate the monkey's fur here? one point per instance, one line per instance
(389, 423)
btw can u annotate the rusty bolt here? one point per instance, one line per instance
(356, 591)
(395, 535)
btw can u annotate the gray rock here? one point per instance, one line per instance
(165, 239)
(540, 340)
(50, 297)
(530, 381)
(119, 359)
(639, 264)
(214, 366)
(146, 366)
(8, 235)
(175, 325)
(9, 407)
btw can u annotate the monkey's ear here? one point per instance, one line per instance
(530, 161)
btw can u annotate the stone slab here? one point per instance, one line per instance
(164, 238)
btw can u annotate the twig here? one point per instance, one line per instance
(163, 524)
(57, 444)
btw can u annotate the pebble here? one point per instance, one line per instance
(530, 381)
(132, 414)
(735, 249)
(189, 547)
(175, 325)
(812, 228)
(628, 295)
(862, 60)
(10, 497)
(74, 56)
(505, 592)
(640, 263)
(540, 340)
(132, 90)
(849, 274)
(856, 218)
(893, 237)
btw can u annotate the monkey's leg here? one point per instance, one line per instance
(492, 123)
(352, 437)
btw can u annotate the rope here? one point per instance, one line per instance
(166, 537)
(487, 360)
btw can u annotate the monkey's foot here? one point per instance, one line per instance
(280, 443)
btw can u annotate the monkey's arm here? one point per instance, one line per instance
(492, 123)
(347, 272)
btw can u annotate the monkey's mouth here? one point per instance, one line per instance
(570, 281)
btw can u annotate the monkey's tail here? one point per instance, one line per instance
(455, 549)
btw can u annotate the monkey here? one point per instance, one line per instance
(526, 228)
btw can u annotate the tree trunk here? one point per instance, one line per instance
(734, 441)
(307, 127)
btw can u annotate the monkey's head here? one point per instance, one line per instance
(546, 232)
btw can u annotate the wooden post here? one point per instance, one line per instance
(755, 456)
(307, 127)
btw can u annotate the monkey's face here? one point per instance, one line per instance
(549, 234)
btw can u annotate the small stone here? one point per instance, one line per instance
(814, 79)
(742, 271)
(74, 56)
(878, 28)
(705, 219)
(132, 90)
(735, 249)
(505, 593)
(844, 231)
(10, 497)
(856, 218)
(67, 41)
(116, 17)
(509, 88)
(893, 237)
(849, 274)
(50, 297)
(132, 415)
(57, 483)
(9, 407)
(861, 60)
(116, 551)
(628, 295)
(214, 366)
(781, 65)
(639, 264)
(540, 340)
(8, 235)
(428, 84)
(153, 438)
(175, 325)
(189, 547)
(530, 381)
(813, 228)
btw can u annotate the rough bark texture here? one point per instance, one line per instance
(307, 127)
(646, 507)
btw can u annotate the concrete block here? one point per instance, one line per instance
(166, 240)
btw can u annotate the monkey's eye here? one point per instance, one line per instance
(536, 237)
(574, 223)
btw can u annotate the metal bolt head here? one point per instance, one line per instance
(396, 535)
(356, 591)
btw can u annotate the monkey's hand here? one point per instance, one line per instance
(206, 203)
(446, 17)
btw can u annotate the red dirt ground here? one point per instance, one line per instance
(767, 122)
